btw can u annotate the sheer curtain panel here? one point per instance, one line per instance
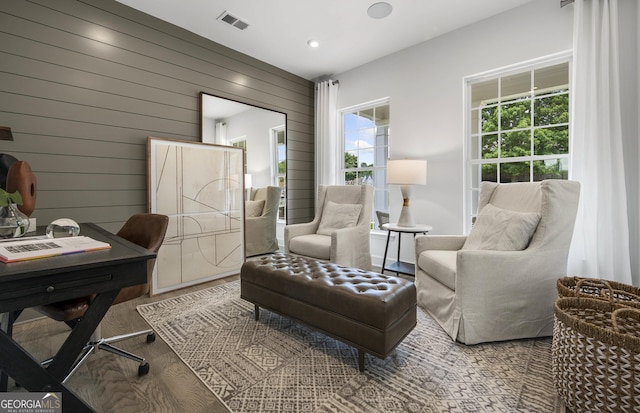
(327, 147)
(600, 246)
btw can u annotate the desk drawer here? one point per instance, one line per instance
(52, 288)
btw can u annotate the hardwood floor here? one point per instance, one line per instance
(110, 383)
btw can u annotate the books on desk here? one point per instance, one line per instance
(41, 247)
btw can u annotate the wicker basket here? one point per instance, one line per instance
(600, 289)
(596, 355)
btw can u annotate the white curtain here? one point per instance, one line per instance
(327, 147)
(600, 247)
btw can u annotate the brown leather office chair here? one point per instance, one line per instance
(146, 230)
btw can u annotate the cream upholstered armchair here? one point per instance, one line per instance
(340, 229)
(261, 215)
(499, 283)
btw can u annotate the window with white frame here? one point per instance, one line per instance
(517, 126)
(241, 143)
(365, 136)
(279, 167)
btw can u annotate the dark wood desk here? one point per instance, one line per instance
(48, 280)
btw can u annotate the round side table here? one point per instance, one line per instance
(400, 267)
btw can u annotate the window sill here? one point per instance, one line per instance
(380, 234)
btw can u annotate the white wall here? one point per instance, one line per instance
(255, 124)
(425, 85)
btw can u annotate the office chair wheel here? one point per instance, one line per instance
(151, 337)
(143, 369)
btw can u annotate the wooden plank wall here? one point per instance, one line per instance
(84, 83)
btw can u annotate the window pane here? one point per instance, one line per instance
(516, 144)
(382, 115)
(350, 178)
(490, 146)
(366, 138)
(350, 140)
(282, 208)
(515, 115)
(380, 179)
(489, 119)
(365, 119)
(490, 172)
(483, 93)
(515, 172)
(350, 122)
(474, 147)
(365, 158)
(351, 159)
(365, 178)
(516, 85)
(382, 136)
(551, 110)
(476, 176)
(475, 121)
(551, 169)
(381, 155)
(551, 77)
(551, 141)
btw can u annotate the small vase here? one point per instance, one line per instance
(13, 223)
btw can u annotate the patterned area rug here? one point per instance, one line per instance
(276, 365)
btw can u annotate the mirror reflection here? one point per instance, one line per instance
(262, 134)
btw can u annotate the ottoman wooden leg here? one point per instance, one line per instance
(256, 312)
(361, 360)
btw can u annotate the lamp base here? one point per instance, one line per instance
(406, 219)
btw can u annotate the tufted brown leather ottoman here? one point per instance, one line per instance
(369, 311)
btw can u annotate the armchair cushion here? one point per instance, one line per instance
(502, 230)
(441, 265)
(337, 216)
(254, 208)
(312, 245)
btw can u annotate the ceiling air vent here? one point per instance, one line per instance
(232, 20)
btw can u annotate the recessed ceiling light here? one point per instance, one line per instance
(313, 43)
(379, 10)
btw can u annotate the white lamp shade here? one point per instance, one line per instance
(407, 172)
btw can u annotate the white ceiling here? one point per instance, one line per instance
(279, 29)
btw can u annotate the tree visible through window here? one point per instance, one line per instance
(518, 127)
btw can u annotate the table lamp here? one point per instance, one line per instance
(406, 172)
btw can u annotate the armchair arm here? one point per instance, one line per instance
(478, 268)
(350, 247)
(295, 230)
(439, 242)
(507, 291)
(258, 228)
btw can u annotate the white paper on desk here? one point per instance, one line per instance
(29, 249)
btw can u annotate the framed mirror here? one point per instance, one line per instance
(260, 132)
